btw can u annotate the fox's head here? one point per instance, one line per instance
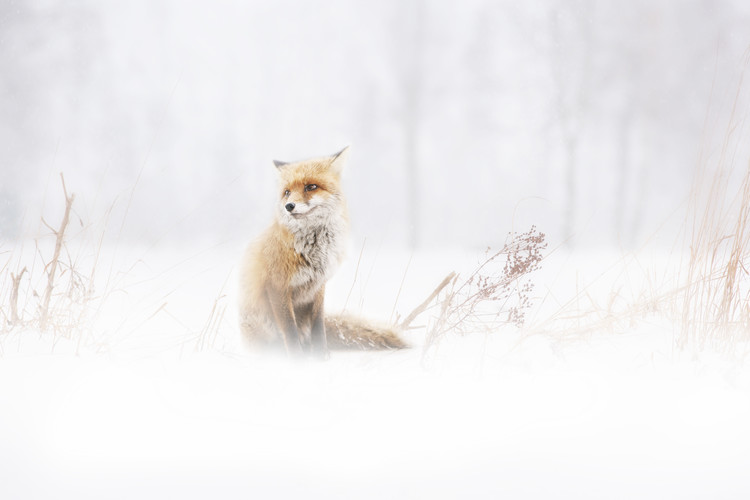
(310, 191)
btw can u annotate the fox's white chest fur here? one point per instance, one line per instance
(320, 242)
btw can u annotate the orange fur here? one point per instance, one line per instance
(283, 276)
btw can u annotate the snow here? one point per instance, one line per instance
(467, 120)
(521, 414)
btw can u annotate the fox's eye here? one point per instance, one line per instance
(311, 187)
(287, 193)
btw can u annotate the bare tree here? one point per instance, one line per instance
(410, 68)
(571, 66)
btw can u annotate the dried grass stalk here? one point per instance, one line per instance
(496, 293)
(52, 266)
(15, 283)
(714, 301)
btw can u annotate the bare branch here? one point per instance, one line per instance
(421, 307)
(16, 279)
(497, 288)
(60, 233)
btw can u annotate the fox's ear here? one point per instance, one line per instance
(280, 164)
(339, 159)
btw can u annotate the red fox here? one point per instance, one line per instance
(284, 273)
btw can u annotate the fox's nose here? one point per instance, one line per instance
(289, 207)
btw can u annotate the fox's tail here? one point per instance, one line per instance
(346, 332)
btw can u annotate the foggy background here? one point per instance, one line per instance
(466, 119)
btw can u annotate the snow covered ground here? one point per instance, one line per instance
(152, 403)
(604, 123)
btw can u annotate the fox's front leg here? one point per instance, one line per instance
(283, 311)
(318, 329)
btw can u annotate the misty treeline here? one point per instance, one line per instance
(467, 119)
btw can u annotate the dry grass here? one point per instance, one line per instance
(51, 267)
(710, 301)
(496, 293)
(210, 332)
(61, 287)
(707, 297)
(714, 290)
(66, 302)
